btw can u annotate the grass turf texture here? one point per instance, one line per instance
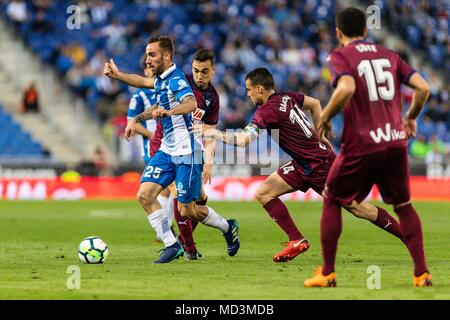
(39, 241)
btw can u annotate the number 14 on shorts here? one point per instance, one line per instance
(152, 172)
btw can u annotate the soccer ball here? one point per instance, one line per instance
(93, 250)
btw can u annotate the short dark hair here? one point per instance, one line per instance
(204, 54)
(351, 21)
(165, 43)
(261, 77)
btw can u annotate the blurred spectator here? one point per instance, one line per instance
(40, 23)
(17, 12)
(115, 34)
(100, 10)
(41, 5)
(419, 147)
(100, 161)
(150, 24)
(76, 52)
(435, 159)
(30, 101)
(432, 110)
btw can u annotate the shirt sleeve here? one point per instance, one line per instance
(212, 117)
(404, 71)
(264, 117)
(299, 98)
(180, 88)
(135, 107)
(338, 66)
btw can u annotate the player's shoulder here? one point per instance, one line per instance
(178, 80)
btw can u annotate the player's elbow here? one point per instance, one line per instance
(348, 91)
(347, 86)
(424, 89)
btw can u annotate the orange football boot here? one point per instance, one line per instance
(320, 280)
(423, 280)
(293, 249)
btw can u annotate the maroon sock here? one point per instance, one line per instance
(194, 224)
(199, 203)
(330, 230)
(280, 214)
(386, 222)
(184, 225)
(411, 229)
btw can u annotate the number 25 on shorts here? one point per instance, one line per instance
(151, 171)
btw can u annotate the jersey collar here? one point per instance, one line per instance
(168, 71)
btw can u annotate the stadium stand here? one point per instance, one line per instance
(291, 38)
(17, 142)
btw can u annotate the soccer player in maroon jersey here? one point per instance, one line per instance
(312, 158)
(206, 114)
(367, 78)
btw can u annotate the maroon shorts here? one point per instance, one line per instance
(294, 175)
(352, 178)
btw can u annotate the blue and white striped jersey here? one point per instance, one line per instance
(142, 100)
(171, 87)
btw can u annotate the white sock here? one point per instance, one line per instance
(162, 200)
(158, 220)
(213, 219)
(167, 204)
(169, 210)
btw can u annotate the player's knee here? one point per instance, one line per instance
(145, 198)
(187, 211)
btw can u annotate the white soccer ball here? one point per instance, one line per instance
(93, 250)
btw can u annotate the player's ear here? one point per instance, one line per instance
(366, 32)
(338, 34)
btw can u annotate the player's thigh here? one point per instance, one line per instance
(160, 170)
(293, 175)
(188, 182)
(273, 187)
(393, 182)
(349, 179)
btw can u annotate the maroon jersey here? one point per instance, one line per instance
(372, 117)
(283, 111)
(155, 142)
(207, 103)
(207, 111)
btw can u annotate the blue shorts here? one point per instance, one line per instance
(147, 159)
(163, 169)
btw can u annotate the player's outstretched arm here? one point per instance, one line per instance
(188, 104)
(420, 97)
(344, 91)
(111, 70)
(240, 138)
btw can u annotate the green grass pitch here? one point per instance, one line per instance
(39, 241)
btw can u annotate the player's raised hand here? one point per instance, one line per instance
(110, 69)
(130, 130)
(410, 127)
